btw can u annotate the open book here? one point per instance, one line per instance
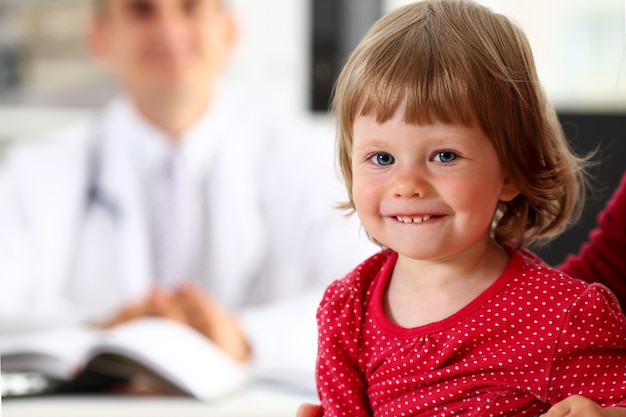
(163, 352)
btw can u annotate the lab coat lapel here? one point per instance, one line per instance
(236, 239)
(54, 210)
(121, 181)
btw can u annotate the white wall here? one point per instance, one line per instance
(271, 64)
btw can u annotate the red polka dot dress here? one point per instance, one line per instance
(533, 338)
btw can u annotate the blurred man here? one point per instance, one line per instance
(176, 200)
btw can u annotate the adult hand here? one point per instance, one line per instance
(205, 314)
(579, 406)
(190, 305)
(309, 410)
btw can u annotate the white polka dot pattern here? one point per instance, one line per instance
(531, 339)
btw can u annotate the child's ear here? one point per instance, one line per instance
(509, 190)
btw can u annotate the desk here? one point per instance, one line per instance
(255, 401)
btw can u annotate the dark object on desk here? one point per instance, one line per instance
(115, 374)
(27, 383)
(107, 374)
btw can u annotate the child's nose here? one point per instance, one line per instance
(409, 183)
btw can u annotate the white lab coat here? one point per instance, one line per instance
(275, 239)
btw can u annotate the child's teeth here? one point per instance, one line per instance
(406, 219)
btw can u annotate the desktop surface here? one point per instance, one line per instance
(257, 400)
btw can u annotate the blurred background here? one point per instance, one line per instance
(291, 50)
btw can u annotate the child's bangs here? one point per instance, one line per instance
(426, 90)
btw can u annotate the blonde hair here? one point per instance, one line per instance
(455, 61)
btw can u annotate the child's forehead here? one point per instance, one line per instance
(399, 137)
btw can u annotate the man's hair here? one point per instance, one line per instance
(459, 62)
(99, 6)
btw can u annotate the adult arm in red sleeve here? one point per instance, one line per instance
(590, 355)
(603, 258)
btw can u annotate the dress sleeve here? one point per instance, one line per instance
(590, 356)
(603, 258)
(340, 384)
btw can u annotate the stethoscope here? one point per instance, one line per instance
(96, 195)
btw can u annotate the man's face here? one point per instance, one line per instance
(162, 49)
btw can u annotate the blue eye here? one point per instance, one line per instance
(382, 159)
(445, 156)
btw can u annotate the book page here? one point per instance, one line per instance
(58, 352)
(177, 353)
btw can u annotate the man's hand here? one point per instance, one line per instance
(190, 305)
(579, 406)
(205, 314)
